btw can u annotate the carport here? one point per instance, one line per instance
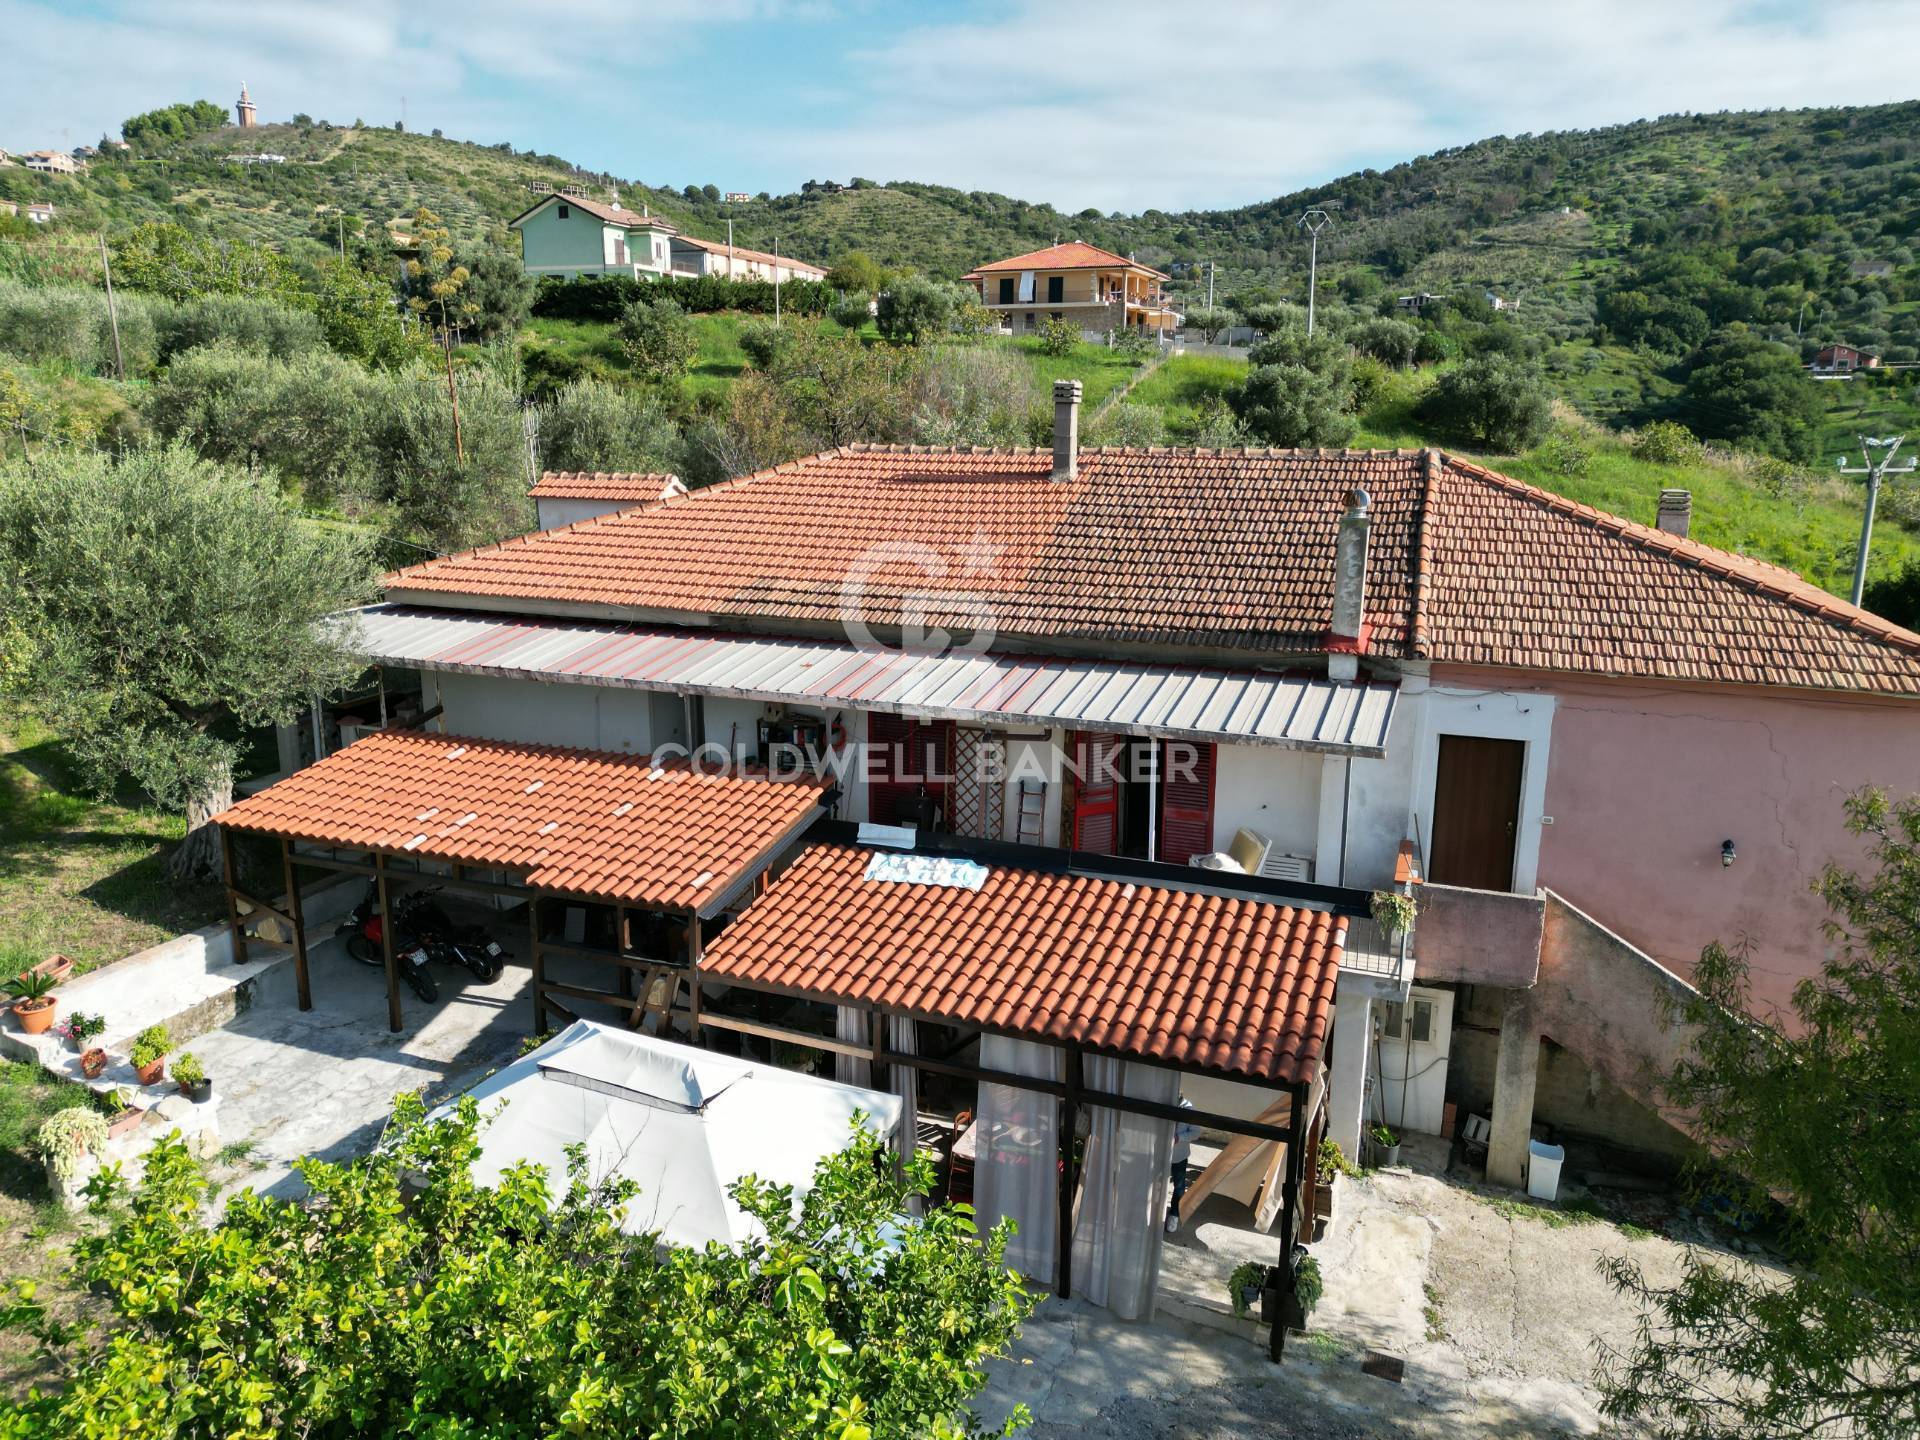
(1082, 961)
(540, 823)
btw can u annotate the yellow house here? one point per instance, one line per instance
(1095, 288)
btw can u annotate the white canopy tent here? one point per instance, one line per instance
(682, 1123)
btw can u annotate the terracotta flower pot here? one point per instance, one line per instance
(36, 1016)
(57, 965)
(93, 1063)
(126, 1122)
(150, 1074)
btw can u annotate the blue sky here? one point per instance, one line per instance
(1113, 103)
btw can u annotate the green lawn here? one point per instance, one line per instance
(593, 346)
(1179, 388)
(78, 875)
(1099, 370)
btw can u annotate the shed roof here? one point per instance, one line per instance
(584, 822)
(1237, 987)
(631, 486)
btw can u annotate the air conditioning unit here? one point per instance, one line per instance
(1287, 867)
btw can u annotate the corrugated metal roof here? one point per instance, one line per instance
(1249, 707)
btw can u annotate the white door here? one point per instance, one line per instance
(1414, 1040)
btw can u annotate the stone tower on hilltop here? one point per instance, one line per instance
(244, 109)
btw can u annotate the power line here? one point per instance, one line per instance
(1874, 473)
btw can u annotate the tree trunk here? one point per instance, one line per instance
(198, 858)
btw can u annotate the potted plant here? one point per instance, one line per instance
(66, 1140)
(1330, 1162)
(122, 1118)
(1307, 1290)
(93, 1064)
(79, 1028)
(1393, 913)
(1386, 1145)
(191, 1076)
(1243, 1287)
(34, 1005)
(149, 1053)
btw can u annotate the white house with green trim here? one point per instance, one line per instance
(570, 236)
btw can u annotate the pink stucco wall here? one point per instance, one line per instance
(1645, 781)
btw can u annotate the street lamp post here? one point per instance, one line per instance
(1313, 222)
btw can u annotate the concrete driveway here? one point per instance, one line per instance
(1494, 1313)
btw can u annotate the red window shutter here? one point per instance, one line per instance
(1096, 804)
(905, 758)
(1186, 804)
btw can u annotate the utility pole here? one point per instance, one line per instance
(343, 236)
(1210, 268)
(113, 313)
(1800, 325)
(1313, 222)
(1874, 473)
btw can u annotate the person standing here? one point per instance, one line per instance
(1184, 1135)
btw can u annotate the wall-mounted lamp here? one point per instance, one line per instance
(1728, 854)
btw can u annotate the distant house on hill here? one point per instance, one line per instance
(1870, 269)
(52, 162)
(1414, 304)
(736, 262)
(571, 236)
(1095, 288)
(1843, 360)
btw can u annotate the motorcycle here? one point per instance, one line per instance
(422, 917)
(365, 930)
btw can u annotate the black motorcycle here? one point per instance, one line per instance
(422, 917)
(365, 930)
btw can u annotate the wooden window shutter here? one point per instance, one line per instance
(1096, 806)
(906, 758)
(1186, 806)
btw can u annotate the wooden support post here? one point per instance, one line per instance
(539, 967)
(693, 1002)
(387, 956)
(1289, 1218)
(234, 926)
(876, 1048)
(620, 947)
(297, 917)
(1069, 1122)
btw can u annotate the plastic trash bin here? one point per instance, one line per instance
(1543, 1169)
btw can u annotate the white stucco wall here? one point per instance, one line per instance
(1275, 792)
(592, 717)
(554, 513)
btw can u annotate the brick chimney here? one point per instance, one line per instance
(1066, 429)
(1676, 512)
(1347, 636)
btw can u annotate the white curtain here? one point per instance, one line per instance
(1124, 1180)
(905, 1084)
(1017, 1152)
(1026, 287)
(850, 1025)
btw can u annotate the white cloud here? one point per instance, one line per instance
(1125, 103)
(1113, 103)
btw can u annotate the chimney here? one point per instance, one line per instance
(1066, 429)
(1676, 512)
(1347, 637)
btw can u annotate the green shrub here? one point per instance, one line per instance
(659, 339)
(1290, 405)
(187, 1069)
(1564, 452)
(762, 341)
(592, 425)
(1494, 403)
(914, 309)
(1058, 337)
(1665, 442)
(851, 313)
(1130, 425)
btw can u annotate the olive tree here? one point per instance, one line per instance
(155, 604)
(1818, 1114)
(914, 309)
(1495, 403)
(659, 338)
(407, 1299)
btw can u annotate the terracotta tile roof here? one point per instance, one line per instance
(614, 827)
(740, 252)
(1070, 255)
(631, 486)
(612, 214)
(1239, 987)
(1226, 549)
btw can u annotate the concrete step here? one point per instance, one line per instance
(191, 984)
